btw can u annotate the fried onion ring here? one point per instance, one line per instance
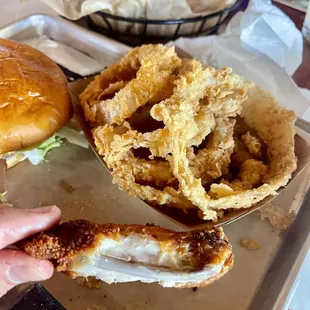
(167, 130)
(275, 127)
(212, 162)
(146, 71)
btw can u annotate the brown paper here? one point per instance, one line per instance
(190, 220)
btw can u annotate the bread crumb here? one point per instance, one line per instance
(251, 245)
(90, 282)
(277, 216)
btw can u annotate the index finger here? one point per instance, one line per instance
(17, 224)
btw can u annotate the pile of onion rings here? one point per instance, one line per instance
(177, 133)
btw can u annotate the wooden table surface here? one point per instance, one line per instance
(302, 75)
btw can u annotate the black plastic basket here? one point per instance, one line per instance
(141, 31)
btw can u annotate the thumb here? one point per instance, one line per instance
(17, 267)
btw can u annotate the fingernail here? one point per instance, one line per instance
(42, 210)
(22, 274)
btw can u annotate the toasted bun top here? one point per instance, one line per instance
(34, 98)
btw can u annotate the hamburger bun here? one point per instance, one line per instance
(34, 97)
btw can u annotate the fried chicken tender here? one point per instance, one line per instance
(126, 253)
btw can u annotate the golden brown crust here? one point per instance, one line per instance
(130, 83)
(187, 148)
(66, 241)
(34, 98)
(227, 266)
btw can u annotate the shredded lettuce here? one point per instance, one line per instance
(73, 136)
(37, 154)
(3, 199)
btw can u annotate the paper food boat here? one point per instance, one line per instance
(189, 220)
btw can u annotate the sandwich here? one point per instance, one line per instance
(34, 105)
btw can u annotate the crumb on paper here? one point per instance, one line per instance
(94, 307)
(90, 282)
(65, 185)
(251, 245)
(277, 216)
(70, 188)
(74, 205)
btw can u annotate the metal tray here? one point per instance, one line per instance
(259, 280)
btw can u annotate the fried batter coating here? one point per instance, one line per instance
(213, 161)
(240, 153)
(251, 175)
(224, 96)
(144, 71)
(108, 252)
(186, 122)
(253, 144)
(277, 216)
(192, 187)
(187, 126)
(190, 119)
(275, 126)
(127, 169)
(252, 171)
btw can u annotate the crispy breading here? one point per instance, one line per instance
(275, 126)
(213, 160)
(143, 73)
(252, 171)
(149, 253)
(251, 175)
(240, 153)
(253, 145)
(188, 135)
(224, 96)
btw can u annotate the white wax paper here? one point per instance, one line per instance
(66, 56)
(150, 9)
(265, 29)
(143, 9)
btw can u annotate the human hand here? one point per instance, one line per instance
(16, 224)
